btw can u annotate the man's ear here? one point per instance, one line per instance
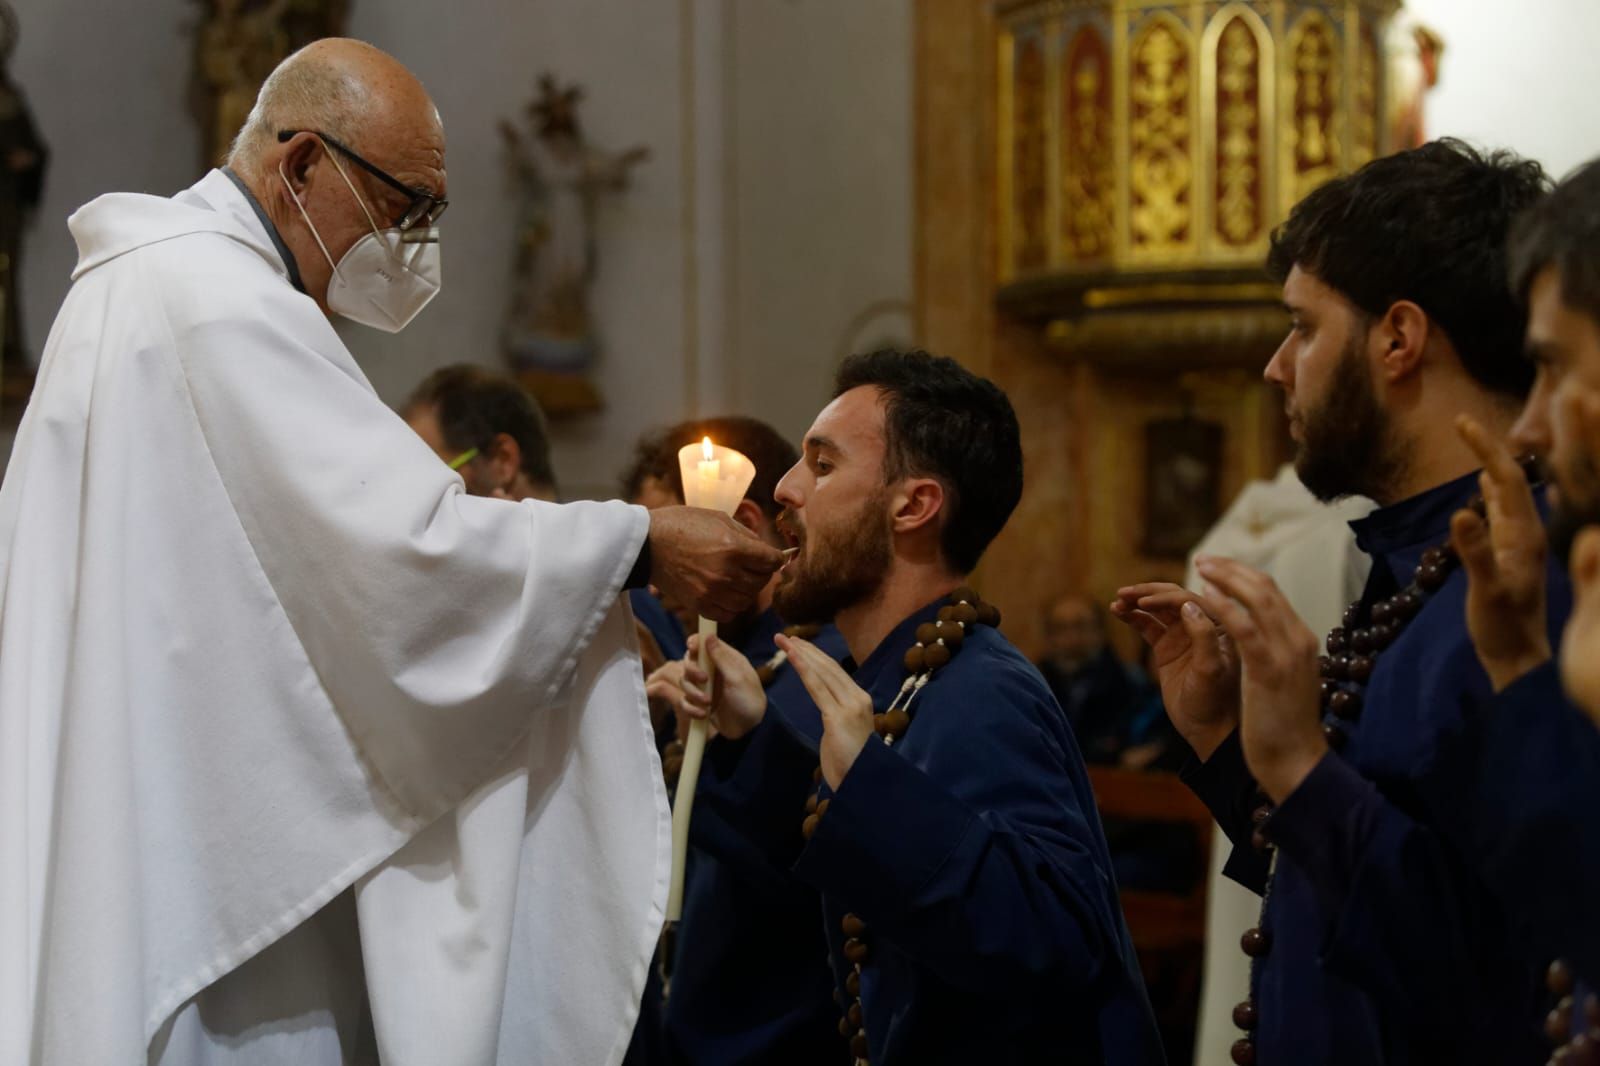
(749, 515)
(299, 158)
(918, 503)
(1403, 332)
(504, 460)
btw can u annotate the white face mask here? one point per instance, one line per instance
(387, 276)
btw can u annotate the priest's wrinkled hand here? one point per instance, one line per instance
(735, 701)
(1280, 704)
(1195, 661)
(846, 708)
(708, 562)
(1580, 642)
(1504, 559)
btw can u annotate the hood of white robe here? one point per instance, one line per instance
(116, 223)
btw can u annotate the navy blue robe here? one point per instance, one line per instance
(662, 623)
(694, 1014)
(1388, 945)
(751, 984)
(973, 851)
(1537, 820)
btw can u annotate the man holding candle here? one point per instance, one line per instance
(750, 978)
(969, 904)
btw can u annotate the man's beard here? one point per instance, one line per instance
(837, 570)
(1347, 446)
(1577, 506)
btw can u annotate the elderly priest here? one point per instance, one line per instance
(306, 755)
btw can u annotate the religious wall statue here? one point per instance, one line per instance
(22, 164)
(239, 44)
(1415, 52)
(550, 337)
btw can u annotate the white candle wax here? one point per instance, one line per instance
(715, 478)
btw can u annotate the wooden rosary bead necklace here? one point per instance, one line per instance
(1584, 1048)
(937, 642)
(1352, 656)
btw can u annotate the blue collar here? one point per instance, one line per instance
(289, 263)
(1422, 520)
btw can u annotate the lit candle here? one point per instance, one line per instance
(715, 478)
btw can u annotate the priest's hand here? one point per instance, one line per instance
(846, 708)
(736, 701)
(708, 562)
(1280, 720)
(1504, 559)
(1580, 642)
(1195, 661)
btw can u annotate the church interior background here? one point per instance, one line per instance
(1070, 196)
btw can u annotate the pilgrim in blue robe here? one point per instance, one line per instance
(1536, 825)
(751, 984)
(1387, 945)
(972, 850)
(649, 1046)
(662, 623)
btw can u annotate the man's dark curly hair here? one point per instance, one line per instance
(1429, 225)
(1563, 231)
(945, 422)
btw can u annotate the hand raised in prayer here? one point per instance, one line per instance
(1280, 719)
(664, 691)
(1504, 559)
(1580, 642)
(846, 708)
(736, 702)
(708, 562)
(1195, 661)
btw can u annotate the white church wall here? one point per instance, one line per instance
(1518, 76)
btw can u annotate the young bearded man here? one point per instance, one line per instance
(1379, 940)
(1539, 758)
(969, 904)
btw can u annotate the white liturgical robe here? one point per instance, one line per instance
(262, 659)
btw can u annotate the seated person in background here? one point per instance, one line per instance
(488, 429)
(1116, 714)
(1107, 702)
(969, 904)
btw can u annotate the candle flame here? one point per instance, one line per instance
(705, 446)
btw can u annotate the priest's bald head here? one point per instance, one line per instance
(904, 480)
(344, 143)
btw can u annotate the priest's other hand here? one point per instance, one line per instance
(708, 562)
(1504, 559)
(1580, 642)
(846, 708)
(1195, 661)
(1280, 706)
(735, 701)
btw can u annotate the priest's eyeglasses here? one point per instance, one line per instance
(425, 208)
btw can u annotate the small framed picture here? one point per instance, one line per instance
(1182, 484)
